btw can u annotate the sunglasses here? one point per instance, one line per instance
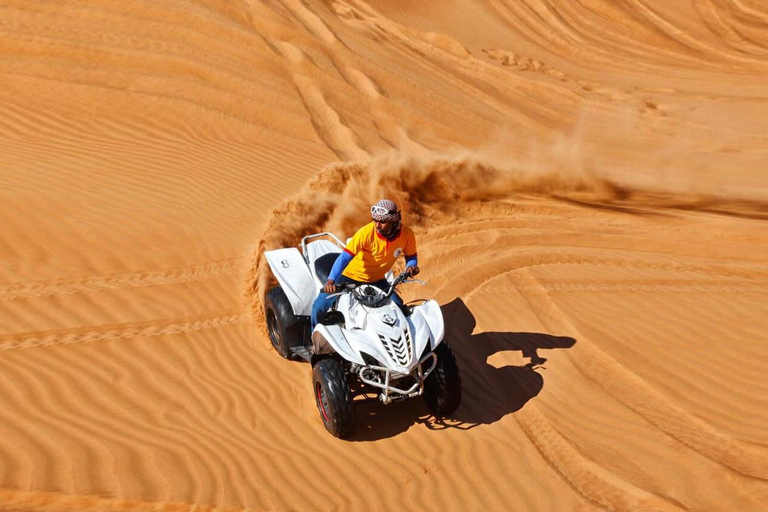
(380, 210)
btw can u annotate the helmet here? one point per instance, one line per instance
(385, 211)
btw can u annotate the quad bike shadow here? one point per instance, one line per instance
(490, 393)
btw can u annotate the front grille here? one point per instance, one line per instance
(398, 349)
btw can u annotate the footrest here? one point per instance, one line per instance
(303, 352)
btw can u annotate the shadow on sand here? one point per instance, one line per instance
(490, 393)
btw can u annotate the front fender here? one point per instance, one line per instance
(333, 336)
(432, 316)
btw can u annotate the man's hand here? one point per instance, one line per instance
(412, 270)
(329, 287)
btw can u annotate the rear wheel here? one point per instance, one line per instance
(442, 388)
(333, 397)
(283, 327)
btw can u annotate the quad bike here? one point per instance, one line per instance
(367, 344)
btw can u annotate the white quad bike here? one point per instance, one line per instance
(367, 343)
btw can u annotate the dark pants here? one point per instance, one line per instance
(323, 303)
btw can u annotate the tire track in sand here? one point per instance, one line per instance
(481, 269)
(635, 393)
(16, 500)
(317, 28)
(121, 331)
(201, 272)
(587, 477)
(584, 475)
(326, 120)
(337, 134)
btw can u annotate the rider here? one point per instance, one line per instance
(369, 255)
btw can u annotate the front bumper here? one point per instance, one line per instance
(382, 378)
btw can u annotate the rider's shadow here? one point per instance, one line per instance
(489, 393)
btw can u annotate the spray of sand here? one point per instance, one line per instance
(429, 188)
(433, 188)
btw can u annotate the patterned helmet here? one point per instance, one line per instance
(385, 211)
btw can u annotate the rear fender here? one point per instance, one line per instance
(294, 277)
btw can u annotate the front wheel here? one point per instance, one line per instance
(442, 388)
(333, 397)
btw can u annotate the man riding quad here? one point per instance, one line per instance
(369, 255)
(371, 342)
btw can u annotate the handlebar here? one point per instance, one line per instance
(403, 277)
(400, 279)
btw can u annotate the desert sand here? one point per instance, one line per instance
(587, 184)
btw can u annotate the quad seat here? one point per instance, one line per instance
(324, 264)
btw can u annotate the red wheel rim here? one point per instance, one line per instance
(320, 396)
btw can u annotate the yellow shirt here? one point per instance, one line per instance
(374, 255)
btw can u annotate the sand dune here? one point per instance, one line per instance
(586, 182)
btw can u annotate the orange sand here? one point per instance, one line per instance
(586, 181)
